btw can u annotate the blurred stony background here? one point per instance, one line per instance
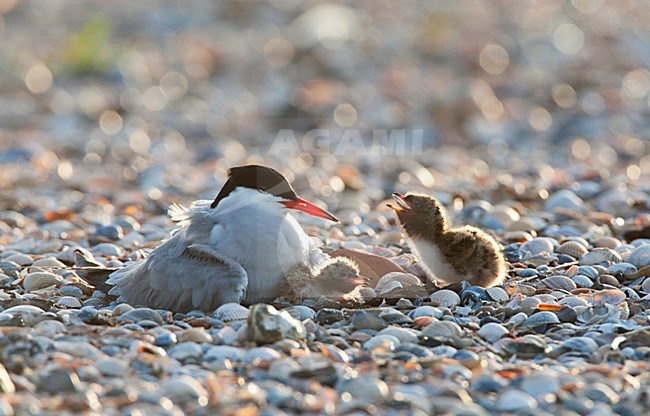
(162, 97)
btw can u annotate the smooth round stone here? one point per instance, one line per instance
(87, 313)
(224, 352)
(112, 367)
(516, 401)
(468, 358)
(185, 351)
(58, 381)
(195, 335)
(565, 199)
(140, 314)
(367, 320)
(107, 250)
(182, 387)
(527, 273)
(366, 387)
(541, 383)
(165, 339)
(264, 354)
(110, 232)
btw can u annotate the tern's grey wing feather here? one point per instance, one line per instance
(181, 277)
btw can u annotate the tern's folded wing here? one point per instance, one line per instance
(181, 277)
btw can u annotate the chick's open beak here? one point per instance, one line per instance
(401, 203)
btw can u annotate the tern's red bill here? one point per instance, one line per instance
(309, 208)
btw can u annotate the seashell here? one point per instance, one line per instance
(573, 249)
(473, 295)
(497, 294)
(20, 258)
(141, 314)
(589, 271)
(68, 302)
(445, 298)
(443, 331)
(229, 312)
(41, 280)
(334, 353)
(579, 344)
(565, 199)
(46, 262)
(607, 297)
(364, 319)
(596, 314)
(427, 311)
(600, 256)
(606, 242)
(390, 286)
(573, 301)
(537, 246)
(616, 203)
(624, 269)
(645, 286)
(541, 383)
(404, 335)
(541, 318)
(608, 279)
(367, 293)
(71, 290)
(300, 312)
(94, 302)
(10, 269)
(381, 344)
(517, 319)
(393, 316)
(526, 347)
(492, 332)
(559, 282)
(405, 279)
(640, 256)
(582, 281)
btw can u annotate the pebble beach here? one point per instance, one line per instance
(525, 119)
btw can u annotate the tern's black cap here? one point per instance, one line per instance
(258, 177)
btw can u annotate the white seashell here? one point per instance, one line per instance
(582, 281)
(559, 282)
(426, 310)
(573, 249)
(390, 286)
(444, 330)
(537, 246)
(41, 280)
(229, 312)
(541, 318)
(640, 256)
(404, 335)
(445, 298)
(497, 294)
(367, 293)
(381, 344)
(68, 302)
(492, 332)
(601, 256)
(405, 279)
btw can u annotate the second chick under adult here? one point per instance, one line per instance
(333, 278)
(450, 255)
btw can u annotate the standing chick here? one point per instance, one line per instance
(449, 254)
